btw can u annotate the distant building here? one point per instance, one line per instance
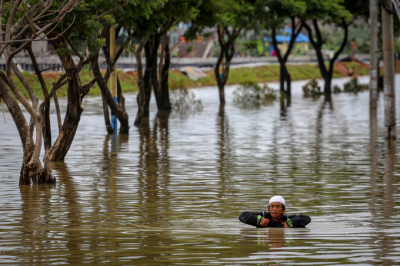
(200, 48)
(301, 42)
(44, 52)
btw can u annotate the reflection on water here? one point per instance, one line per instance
(171, 191)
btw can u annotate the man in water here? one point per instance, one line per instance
(275, 217)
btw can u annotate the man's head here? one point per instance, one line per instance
(276, 206)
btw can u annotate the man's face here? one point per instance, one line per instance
(276, 209)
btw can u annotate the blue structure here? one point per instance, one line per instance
(301, 38)
(114, 120)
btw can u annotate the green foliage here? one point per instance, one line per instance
(273, 13)
(312, 89)
(250, 45)
(96, 44)
(256, 74)
(333, 38)
(183, 101)
(336, 89)
(253, 95)
(306, 71)
(94, 26)
(207, 17)
(150, 17)
(354, 87)
(357, 8)
(260, 47)
(331, 11)
(178, 80)
(61, 51)
(234, 14)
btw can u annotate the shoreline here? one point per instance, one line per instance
(177, 79)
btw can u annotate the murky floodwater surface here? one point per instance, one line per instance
(171, 191)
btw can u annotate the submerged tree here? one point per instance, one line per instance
(273, 15)
(144, 29)
(152, 31)
(230, 18)
(21, 24)
(126, 28)
(66, 24)
(117, 107)
(339, 14)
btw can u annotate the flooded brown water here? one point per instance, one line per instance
(170, 193)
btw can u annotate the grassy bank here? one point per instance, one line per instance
(267, 73)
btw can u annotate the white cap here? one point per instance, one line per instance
(279, 199)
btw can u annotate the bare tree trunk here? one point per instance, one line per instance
(106, 113)
(282, 78)
(161, 89)
(140, 96)
(288, 79)
(150, 48)
(144, 80)
(284, 73)
(388, 72)
(221, 69)
(121, 103)
(154, 43)
(76, 92)
(165, 78)
(31, 169)
(373, 56)
(45, 106)
(285, 77)
(117, 108)
(72, 116)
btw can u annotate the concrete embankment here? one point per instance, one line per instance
(52, 63)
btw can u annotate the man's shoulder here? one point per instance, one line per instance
(296, 215)
(300, 220)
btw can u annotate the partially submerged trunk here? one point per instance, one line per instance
(73, 113)
(151, 49)
(164, 81)
(76, 92)
(45, 106)
(38, 128)
(32, 169)
(144, 80)
(151, 78)
(107, 120)
(160, 81)
(221, 69)
(118, 109)
(284, 75)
